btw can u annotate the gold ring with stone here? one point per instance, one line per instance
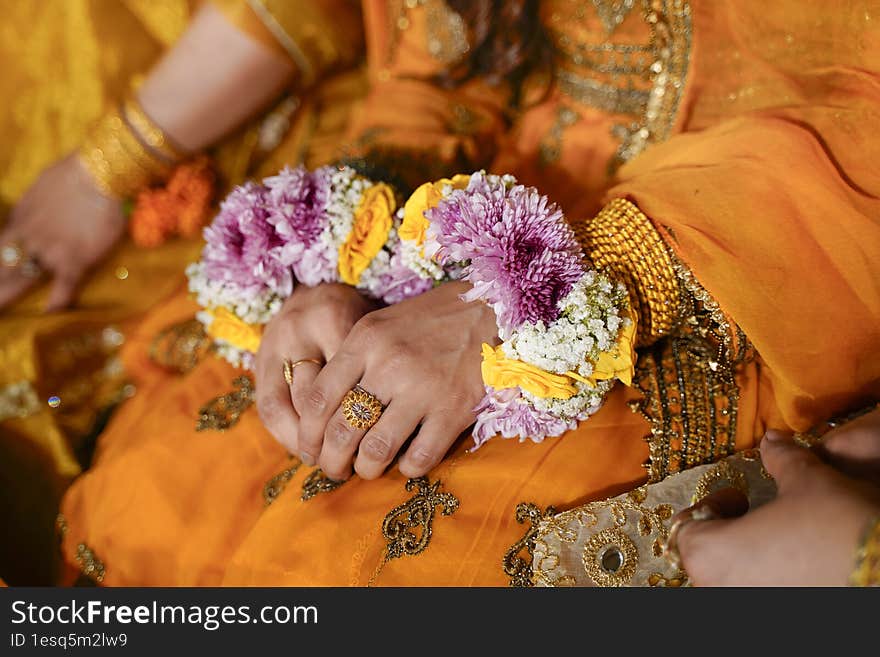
(361, 409)
(288, 366)
(13, 256)
(696, 513)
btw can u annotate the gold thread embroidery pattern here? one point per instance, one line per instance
(867, 570)
(408, 527)
(610, 558)
(61, 527)
(722, 475)
(317, 482)
(517, 567)
(642, 81)
(550, 148)
(224, 411)
(417, 513)
(276, 485)
(90, 565)
(181, 346)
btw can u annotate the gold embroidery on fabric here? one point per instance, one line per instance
(610, 558)
(18, 400)
(61, 527)
(408, 527)
(318, 482)
(276, 485)
(181, 346)
(642, 81)
(417, 513)
(723, 475)
(446, 30)
(224, 411)
(550, 148)
(90, 565)
(661, 581)
(689, 384)
(519, 568)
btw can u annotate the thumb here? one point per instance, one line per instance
(790, 464)
(63, 289)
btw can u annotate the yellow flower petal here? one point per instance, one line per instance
(226, 325)
(427, 196)
(372, 223)
(620, 363)
(501, 372)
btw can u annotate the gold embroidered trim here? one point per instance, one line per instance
(180, 346)
(722, 475)
(276, 485)
(224, 411)
(622, 240)
(518, 568)
(550, 148)
(691, 401)
(610, 557)
(90, 565)
(867, 571)
(408, 527)
(318, 482)
(642, 81)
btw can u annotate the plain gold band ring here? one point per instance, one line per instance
(288, 366)
(696, 513)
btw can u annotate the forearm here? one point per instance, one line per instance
(214, 78)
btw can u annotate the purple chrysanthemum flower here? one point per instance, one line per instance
(506, 413)
(523, 258)
(242, 248)
(399, 282)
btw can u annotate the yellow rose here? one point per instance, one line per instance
(501, 372)
(226, 326)
(619, 364)
(372, 223)
(414, 224)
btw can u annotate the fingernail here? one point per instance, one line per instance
(307, 458)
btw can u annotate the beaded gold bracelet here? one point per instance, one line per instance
(623, 241)
(867, 570)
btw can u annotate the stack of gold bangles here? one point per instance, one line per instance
(126, 151)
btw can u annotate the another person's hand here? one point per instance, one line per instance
(807, 536)
(421, 359)
(312, 324)
(63, 223)
(854, 448)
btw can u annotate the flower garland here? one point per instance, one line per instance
(566, 330)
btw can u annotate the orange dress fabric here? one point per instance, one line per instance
(753, 157)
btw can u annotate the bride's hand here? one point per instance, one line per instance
(421, 359)
(312, 324)
(66, 225)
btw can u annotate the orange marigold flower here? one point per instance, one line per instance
(182, 206)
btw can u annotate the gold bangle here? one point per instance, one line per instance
(117, 161)
(623, 241)
(867, 570)
(152, 134)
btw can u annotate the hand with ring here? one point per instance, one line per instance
(409, 369)
(309, 329)
(807, 536)
(62, 226)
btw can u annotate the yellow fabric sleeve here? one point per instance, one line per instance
(317, 36)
